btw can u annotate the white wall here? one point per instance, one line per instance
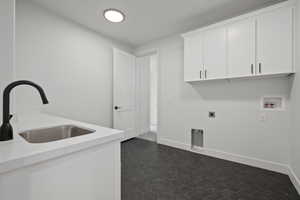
(237, 128)
(72, 64)
(7, 18)
(295, 134)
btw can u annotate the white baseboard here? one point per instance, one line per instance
(264, 164)
(146, 138)
(146, 130)
(295, 180)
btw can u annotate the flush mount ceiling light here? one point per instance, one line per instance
(114, 15)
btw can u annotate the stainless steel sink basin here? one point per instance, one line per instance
(54, 133)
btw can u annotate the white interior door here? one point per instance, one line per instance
(124, 77)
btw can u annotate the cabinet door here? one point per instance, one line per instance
(193, 64)
(241, 48)
(214, 53)
(275, 42)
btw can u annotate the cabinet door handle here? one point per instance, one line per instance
(252, 69)
(259, 68)
(200, 74)
(205, 74)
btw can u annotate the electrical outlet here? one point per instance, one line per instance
(212, 114)
(262, 117)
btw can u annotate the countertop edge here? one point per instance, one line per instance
(36, 158)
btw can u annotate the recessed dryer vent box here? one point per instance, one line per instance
(272, 103)
(197, 138)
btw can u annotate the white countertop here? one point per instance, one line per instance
(19, 153)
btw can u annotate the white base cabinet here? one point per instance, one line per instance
(253, 45)
(90, 174)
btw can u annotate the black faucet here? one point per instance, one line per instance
(6, 130)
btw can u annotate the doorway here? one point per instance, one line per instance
(147, 69)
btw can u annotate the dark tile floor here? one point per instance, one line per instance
(158, 172)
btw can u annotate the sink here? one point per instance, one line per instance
(45, 135)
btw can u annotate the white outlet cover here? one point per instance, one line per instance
(262, 117)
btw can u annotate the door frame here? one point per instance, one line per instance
(149, 52)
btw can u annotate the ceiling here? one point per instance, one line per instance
(149, 20)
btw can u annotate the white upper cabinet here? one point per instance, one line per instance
(255, 44)
(275, 42)
(214, 53)
(241, 48)
(193, 61)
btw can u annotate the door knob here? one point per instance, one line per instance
(117, 107)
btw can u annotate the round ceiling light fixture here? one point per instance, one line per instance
(114, 15)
